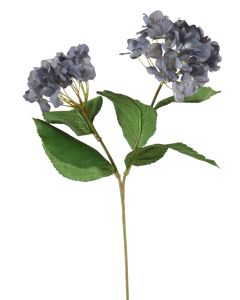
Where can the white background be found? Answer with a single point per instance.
(62, 240)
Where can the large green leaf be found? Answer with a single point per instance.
(74, 119)
(151, 154)
(137, 120)
(72, 158)
(202, 94)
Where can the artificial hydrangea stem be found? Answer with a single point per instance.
(121, 183)
(99, 139)
(157, 92)
(77, 93)
(151, 64)
(87, 90)
(122, 194)
(141, 62)
(84, 111)
(83, 91)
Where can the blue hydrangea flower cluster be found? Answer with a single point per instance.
(57, 73)
(176, 52)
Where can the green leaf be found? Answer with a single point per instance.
(137, 120)
(153, 153)
(146, 155)
(74, 119)
(72, 158)
(94, 106)
(184, 149)
(164, 102)
(202, 94)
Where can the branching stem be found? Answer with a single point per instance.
(121, 181)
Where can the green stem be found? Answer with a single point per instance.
(83, 91)
(122, 194)
(121, 183)
(157, 92)
(87, 90)
(99, 139)
(84, 111)
(76, 91)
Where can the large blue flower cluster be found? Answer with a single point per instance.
(58, 73)
(176, 52)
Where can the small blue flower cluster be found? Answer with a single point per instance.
(58, 73)
(181, 53)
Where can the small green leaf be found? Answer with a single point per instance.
(74, 119)
(137, 120)
(184, 149)
(153, 153)
(72, 158)
(94, 106)
(164, 102)
(202, 94)
(146, 155)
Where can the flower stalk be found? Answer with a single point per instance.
(121, 182)
(157, 93)
(124, 227)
